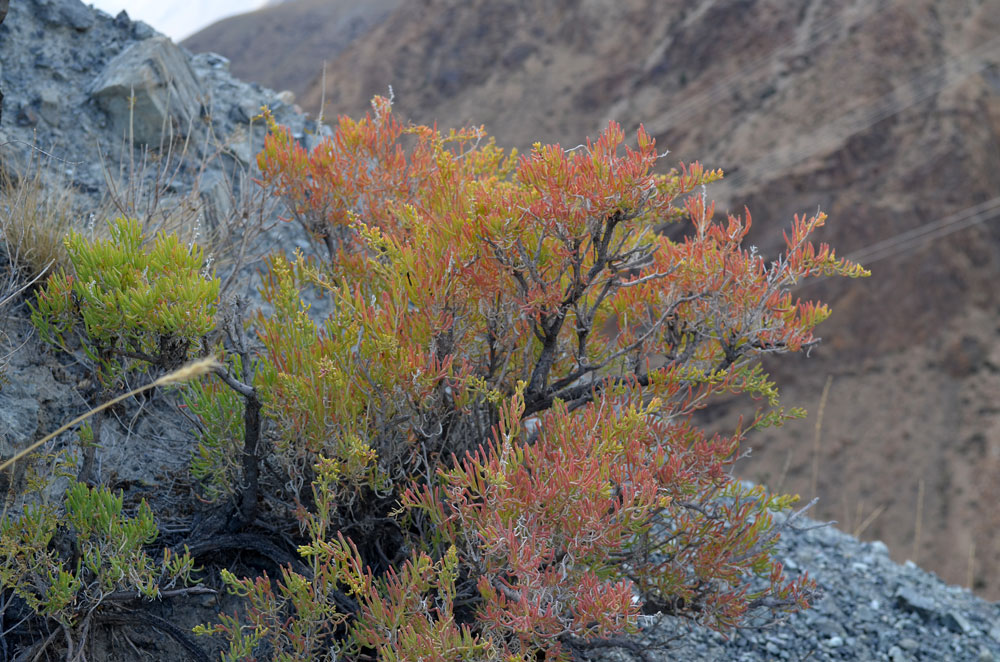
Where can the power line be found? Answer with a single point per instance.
(907, 241)
(914, 238)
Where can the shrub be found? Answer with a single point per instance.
(131, 307)
(106, 563)
(489, 449)
(489, 446)
(128, 304)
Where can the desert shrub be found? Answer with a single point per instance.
(82, 559)
(490, 446)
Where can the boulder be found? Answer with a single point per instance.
(167, 95)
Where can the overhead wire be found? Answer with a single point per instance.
(917, 88)
(908, 241)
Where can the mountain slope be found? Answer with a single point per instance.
(283, 45)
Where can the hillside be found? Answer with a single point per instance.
(884, 114)
(284, 44)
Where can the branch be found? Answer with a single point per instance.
(129, 596)
(156, 622)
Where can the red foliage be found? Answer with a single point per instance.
(475, 291)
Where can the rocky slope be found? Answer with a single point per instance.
(885, 114)
(59, 94)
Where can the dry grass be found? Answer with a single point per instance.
(919, 520)
(35, 213)
(187, 372)
(224, 216)
(814, 479)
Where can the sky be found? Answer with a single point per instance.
(177, 20)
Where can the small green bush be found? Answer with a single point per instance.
(129, 304)
(106, 563)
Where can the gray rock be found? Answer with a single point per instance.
(167, 96)
(142, 31)
(69, 12)
(955, 622)
(896, 654)
(77, 15)
(50, 104)
(122, 20)
(911, 601)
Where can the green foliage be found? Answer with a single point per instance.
(219, 411)
(108, 548)
(294, 618)
(125, 300)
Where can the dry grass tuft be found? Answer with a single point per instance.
(35, 215)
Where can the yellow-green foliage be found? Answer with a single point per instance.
(109, 547)
(125, 299)
(216, 462)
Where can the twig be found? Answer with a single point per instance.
(39, 149)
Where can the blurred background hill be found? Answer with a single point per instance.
(883, 113)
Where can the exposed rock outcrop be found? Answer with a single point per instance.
(150, 90)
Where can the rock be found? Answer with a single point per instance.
(141, 30)
(167, 94)
(214, 191)
(955, 622)
(26, 116)
(77, 15)
(909, 600)
(896, 654)
(122, 20)
(69, 12)
(216, 61)
(50, 104)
